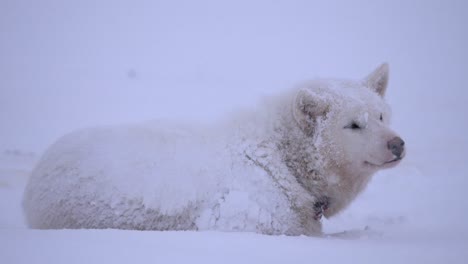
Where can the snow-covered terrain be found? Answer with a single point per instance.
(68, 65)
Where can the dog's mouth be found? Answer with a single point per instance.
(394, 160)
(385, 164)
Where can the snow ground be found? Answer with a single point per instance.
(132, 61)
(111, 246)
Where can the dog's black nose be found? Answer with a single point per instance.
(396, 146)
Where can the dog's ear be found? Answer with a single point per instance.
(378, 79)
(307, 108)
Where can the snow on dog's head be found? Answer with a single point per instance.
(349, 121)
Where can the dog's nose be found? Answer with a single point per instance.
(396, 146)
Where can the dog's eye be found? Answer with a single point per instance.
(353, 126)
(381, 117)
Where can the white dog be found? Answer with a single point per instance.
(306, 153)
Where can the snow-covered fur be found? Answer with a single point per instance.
(273, 170)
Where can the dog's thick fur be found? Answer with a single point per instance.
(275, 170)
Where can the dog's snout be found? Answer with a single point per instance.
(396, 146)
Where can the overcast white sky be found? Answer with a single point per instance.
(70, 64)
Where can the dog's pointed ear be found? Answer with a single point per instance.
(378, 79)
(307, 108)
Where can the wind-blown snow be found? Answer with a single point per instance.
(69, 65)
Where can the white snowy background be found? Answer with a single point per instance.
(71, 64)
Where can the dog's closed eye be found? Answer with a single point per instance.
(353, 126)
